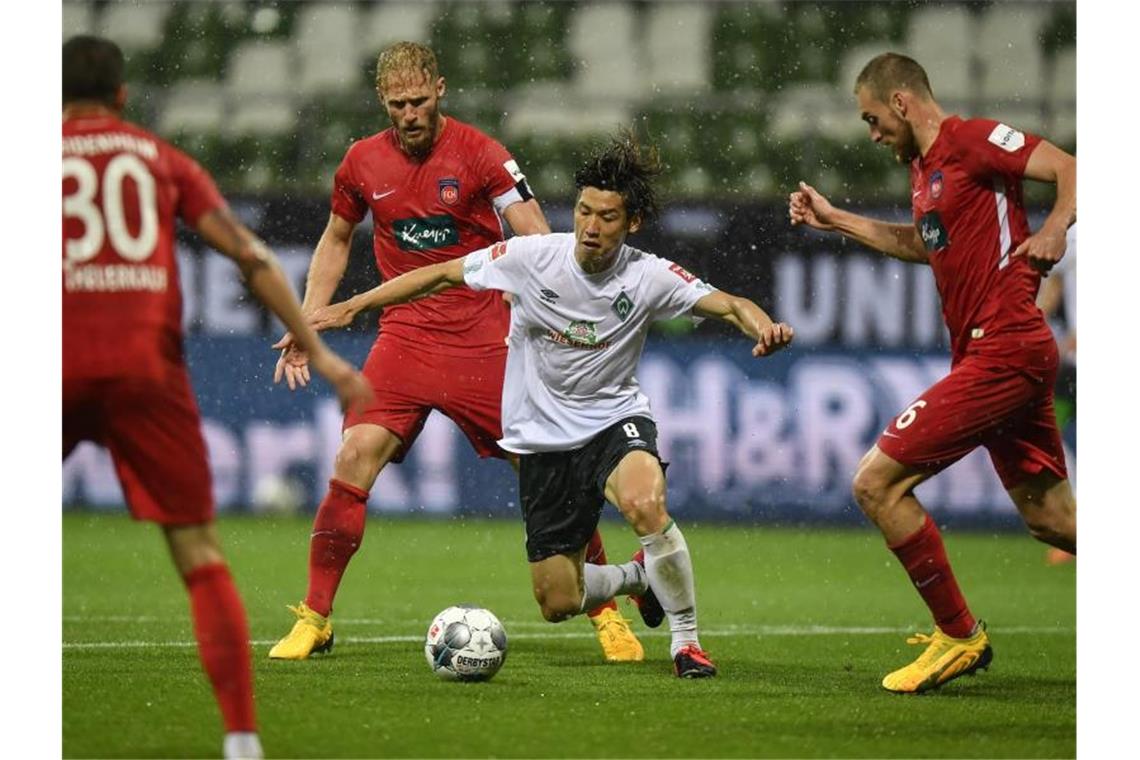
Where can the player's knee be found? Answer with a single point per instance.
(644, 510)
(557, 606)
(869, 490)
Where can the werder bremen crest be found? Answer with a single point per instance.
(622, 306)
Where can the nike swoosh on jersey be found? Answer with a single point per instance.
(377, 196)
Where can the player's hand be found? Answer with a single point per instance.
(772, 338)
(1043, 249)
(352, 388)
(293, 364)
(807, 206)
(331, 316)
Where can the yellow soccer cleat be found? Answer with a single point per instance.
(311, 634)
(619, 644)
(945, 659)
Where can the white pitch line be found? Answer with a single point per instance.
(762, 630)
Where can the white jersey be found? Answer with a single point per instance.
(575, 338)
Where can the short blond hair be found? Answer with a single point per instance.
(403, 57)
(892, 71)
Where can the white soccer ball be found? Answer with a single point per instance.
(465, 643)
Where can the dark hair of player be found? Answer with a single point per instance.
(891, 71)
(405, 56)
(624, 166)
(92, 70)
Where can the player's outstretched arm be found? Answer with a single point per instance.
(901, 241)
(266, 280)
(749, 318)
(410, 286)
(1048, 163)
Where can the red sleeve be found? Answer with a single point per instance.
(497, 170)
(197, 193)
(987, 147)
(347, 201)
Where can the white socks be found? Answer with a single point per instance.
(670, 572)
(604, 582)
(242, 745)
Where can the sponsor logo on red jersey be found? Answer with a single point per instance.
(449, 191)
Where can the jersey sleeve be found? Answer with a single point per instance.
(674, 289)
(987, 147)
(197, 193)
(503, 181)
(347, 200)
(502, 266)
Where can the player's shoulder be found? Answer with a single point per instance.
(548, 243)
(980, 130)
(379, 143)
(468, 132)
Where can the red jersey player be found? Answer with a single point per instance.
(435, 187)
(125, 383)
(970, 227)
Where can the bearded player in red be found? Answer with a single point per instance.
(970, 227)
(125, 384)
(435, 188)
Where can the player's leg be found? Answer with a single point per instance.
(221, 630)
(636, 486)
(474, 402)
(159, 454)
(1049, 509)
(338, 530)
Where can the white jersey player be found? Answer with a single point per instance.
(572, 408)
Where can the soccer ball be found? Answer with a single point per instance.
(465, 643)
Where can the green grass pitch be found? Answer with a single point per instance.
(803, 624)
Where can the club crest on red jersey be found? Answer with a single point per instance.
(449, 191)
(937, 185)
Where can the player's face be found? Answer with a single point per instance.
(600, 224)
(887, 127)
(412, 100)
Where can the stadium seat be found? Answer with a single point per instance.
(678, 47)
(196, 106)
(821, 109)
(325, 43)
(942, 39)
(259, 68)
(1009, 53)
(134, 26)
(603, 40)
(78, 18)
(386, 23)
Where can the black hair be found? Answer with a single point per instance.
(624, 166)
(92, 69)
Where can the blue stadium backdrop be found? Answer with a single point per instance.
(757, 440)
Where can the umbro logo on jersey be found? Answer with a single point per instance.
(377, 196)
(548, 295)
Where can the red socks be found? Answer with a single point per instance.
(924, 557)
(337, 533)
(223, 643)
(596, 555)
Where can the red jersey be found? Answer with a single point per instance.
(122, 188)
(425, 212)
(968, 207)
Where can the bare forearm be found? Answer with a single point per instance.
(1064, 212)
(266, 280)
(330, 259)
(900, 241)
(749, 318)
(410, 286)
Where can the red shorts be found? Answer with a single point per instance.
(409, 382)
(154, 434)
(982, 403)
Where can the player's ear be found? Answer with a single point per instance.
(898, 103)
(121, 97)
(440, 87)
(634, 224)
